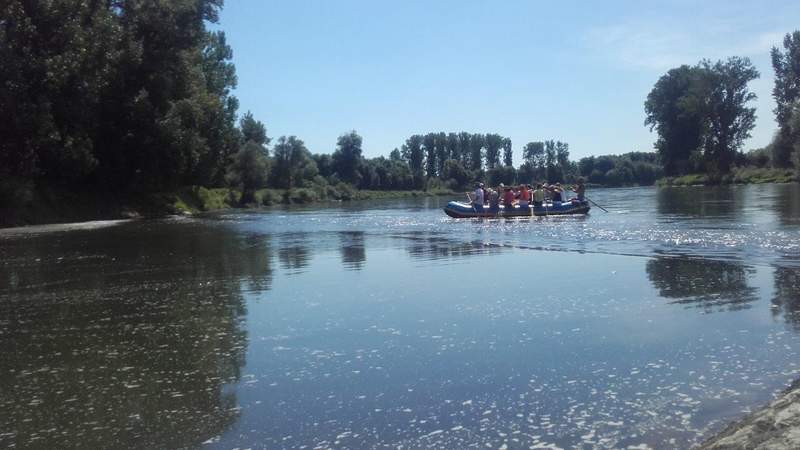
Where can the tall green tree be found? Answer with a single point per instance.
(347, 157)
(728, 115)
(476, 146)
(493, 143)
(675, 109)
(253, 130)
(465, 146)
(249, 170)
(786, 93)
(292, 162)
(429, 144)
(413, 153)
(442, 151)
(508, 152)
(454, 147)
(551, 162)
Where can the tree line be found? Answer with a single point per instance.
(135, 96)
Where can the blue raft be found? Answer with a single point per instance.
(461, 210)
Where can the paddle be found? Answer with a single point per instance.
(595, 204)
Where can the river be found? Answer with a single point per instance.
(377, 325)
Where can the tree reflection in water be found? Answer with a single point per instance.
(702, 283)
(130, 340)
(352, 248)
(786, 301)
(294, 253)
(435, 247)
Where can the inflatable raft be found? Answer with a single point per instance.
(461, 210)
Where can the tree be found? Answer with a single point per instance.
(429, 143)
(533, 154)
(347, 157)
(493, 143)
(249, 170)
(476, 143)
(786, 93)
(292, 162)
(550, 162)
(454, 147)
(674, 108)
(562, 156)
(729, 118)
(442, 151)
(413, 153)
(395, 155)
(253, 130)
(508, 153)
(455, 171)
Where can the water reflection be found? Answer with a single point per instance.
(136, 351)
(701, 201)
(432, 247)
(702, 283)
(787, 203)
(294, 253)
(786, 300)
(352, 248)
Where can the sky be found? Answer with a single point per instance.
(575, 71)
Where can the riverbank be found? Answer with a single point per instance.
(743, 175)
(49, 205)
(775, 426)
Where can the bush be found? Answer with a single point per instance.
(15, 192)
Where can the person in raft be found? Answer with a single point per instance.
(494, 201)
(555, 193)
(538, 196)
(524, 196)
(477, 197)
(508, 197)
(580, 189)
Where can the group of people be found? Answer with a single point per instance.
(525, 195)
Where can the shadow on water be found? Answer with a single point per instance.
(706, 284)
(128, 339)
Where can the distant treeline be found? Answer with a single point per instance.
(129, 97)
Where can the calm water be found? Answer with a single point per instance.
(376, 325)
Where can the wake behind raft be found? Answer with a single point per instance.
(461, 210)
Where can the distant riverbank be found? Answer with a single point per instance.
(50, 205)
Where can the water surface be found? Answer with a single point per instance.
(389, 324)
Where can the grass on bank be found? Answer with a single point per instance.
(195, 199)
(739, 175)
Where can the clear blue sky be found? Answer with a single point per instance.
(573, 71)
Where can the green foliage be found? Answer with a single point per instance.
(786, 93)
(120, 94)
(508, 152)
(493, 143)
(347, 157)
(701, 114)
(292, 163)
(634, 168)
(249, 170)
(502, 174)
(454, 171)
(253, 130)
